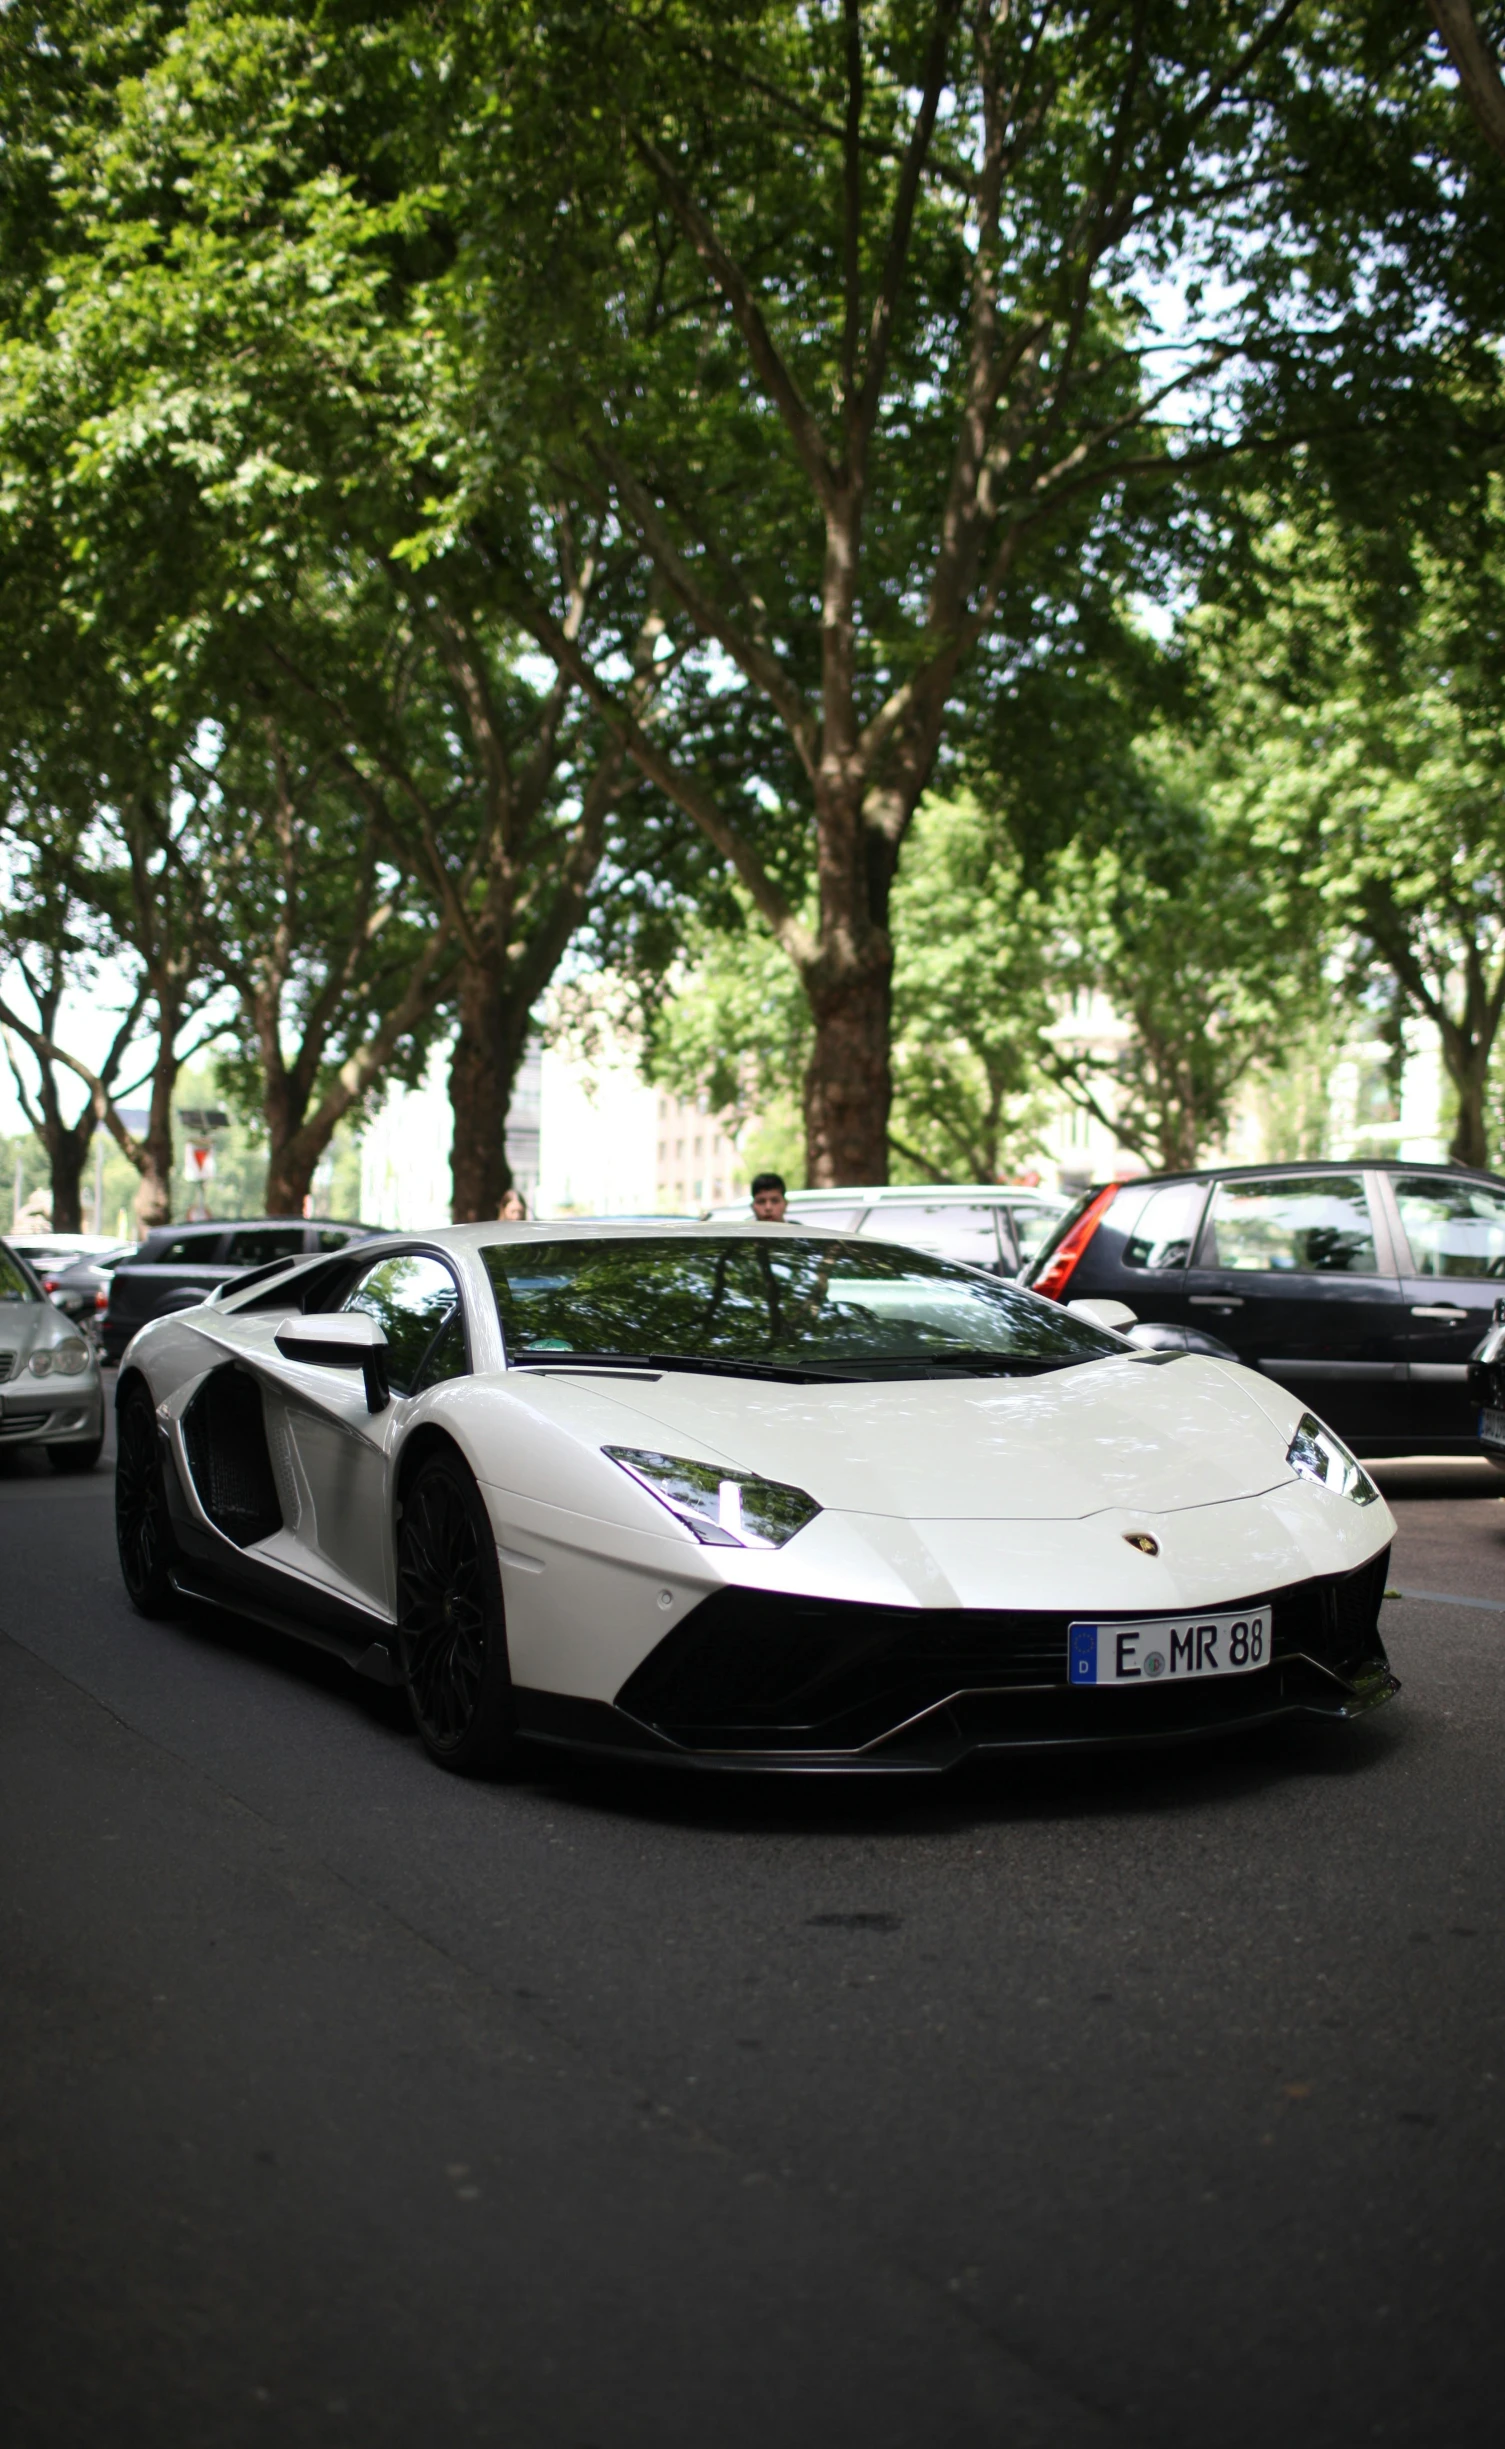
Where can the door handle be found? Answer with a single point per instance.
(1454, 1317)
(1215, 1301)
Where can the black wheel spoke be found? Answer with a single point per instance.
(442, 1619)
(137, 1500)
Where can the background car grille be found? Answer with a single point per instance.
(751, 1670)
(7, 1364)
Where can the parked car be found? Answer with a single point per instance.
(710, 1493)
(999, 1226)
(80, 1287)
(49, 1253)
(180, 1264)
(1364, 1286)
(50, 1393)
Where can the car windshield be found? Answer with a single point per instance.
(770, 1304)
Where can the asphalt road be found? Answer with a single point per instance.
(1154, 2100)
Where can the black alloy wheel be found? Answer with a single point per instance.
(141, 1528)
(451, 1629)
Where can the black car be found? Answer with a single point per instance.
(1363, 1287)
(82, 1290)
(179, 1265)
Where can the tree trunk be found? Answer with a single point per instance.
(849, 1084)
(482, 1075)
(290, 1166)
(290, 1173)
(154, 1193)
(1470, 1143)
(66, 1156)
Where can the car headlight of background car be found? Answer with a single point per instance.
(69, 1360)
(724, 1509)
(1318, 1455)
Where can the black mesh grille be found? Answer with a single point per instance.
(226, 1438)
(747, 1668)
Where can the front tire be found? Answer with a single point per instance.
(142, 1535)
(451, 1627)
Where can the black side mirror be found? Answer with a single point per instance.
(346, 1339)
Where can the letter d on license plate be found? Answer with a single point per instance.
(1169, 1648)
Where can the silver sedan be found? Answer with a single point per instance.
(50, 1391)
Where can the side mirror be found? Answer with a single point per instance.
(1114, 1314)
(346, 1339)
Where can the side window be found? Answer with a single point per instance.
(1166, 1226)
(411, 1297)
(332, 1237)
(446, 1355)
(824, 1219)
(190, 1250)
(1033, 1226)
(1315, 1225)
(263, 1243)
(951, 1231)
(1454, 1228)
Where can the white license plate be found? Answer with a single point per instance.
(1169, 1648)
(1492, 1428)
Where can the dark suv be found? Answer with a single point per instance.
(1363, 1287)
(177, 1266)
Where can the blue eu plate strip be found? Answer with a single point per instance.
(1084, 1653)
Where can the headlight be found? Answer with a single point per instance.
(724, 1509)
(67, 1359)
(1318, 1455)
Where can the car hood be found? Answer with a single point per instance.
(1111, 1434)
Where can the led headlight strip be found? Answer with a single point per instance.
(724, 1509)
(1318, 1455)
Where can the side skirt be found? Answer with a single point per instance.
(213, 1571)
(370, 1658)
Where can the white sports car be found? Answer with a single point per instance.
(746, 1495)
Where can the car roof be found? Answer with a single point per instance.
(1311, 1165)
(891, 1193)
(478, 1237)
(225, 1224)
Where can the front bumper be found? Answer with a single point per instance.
(757, 1680)
(44, 1411)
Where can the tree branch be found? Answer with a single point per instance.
(769, 365)
(1478, 70)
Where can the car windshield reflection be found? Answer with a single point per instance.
(764, 1303)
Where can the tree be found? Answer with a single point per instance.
(378, 737)
(879, 345)
(48, 955)
(972, 1000)
(1366, 724)
(1202, 943)
(100, 825)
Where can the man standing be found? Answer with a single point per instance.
(768, 1198)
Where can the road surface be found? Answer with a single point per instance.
(1145, 2100)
